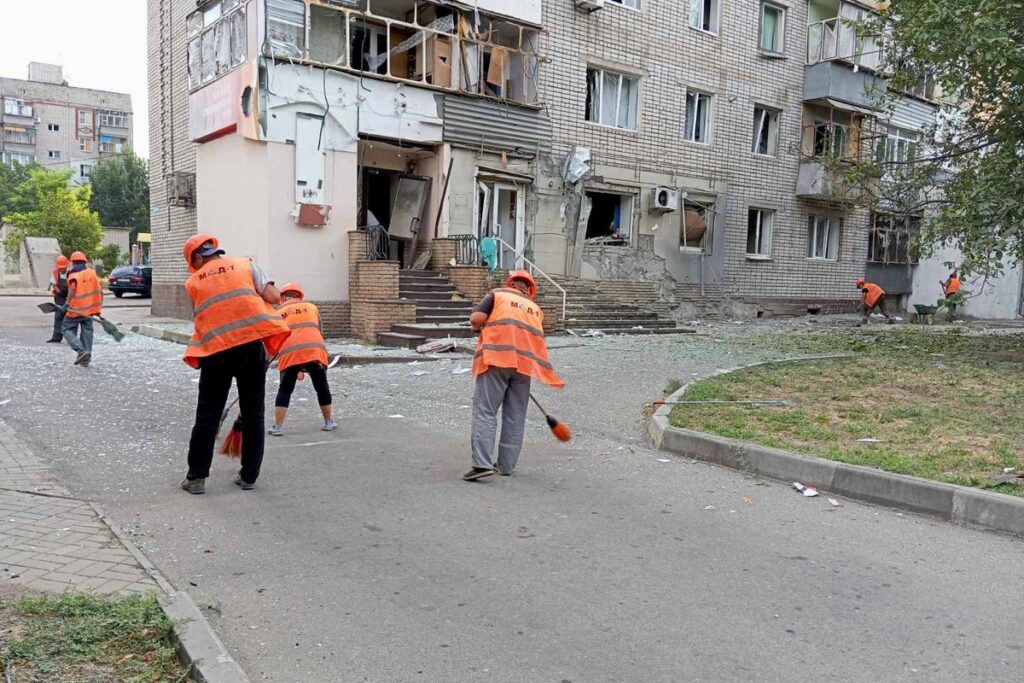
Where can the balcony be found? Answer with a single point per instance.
(441, 47)
(18, 112)
(838, 85)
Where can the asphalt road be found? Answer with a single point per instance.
(362, 556)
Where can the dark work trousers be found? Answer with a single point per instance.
(879, 307)
(316, 373)
(58, 318)
(247, 365)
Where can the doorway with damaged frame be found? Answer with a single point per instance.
(500, 213)
(609, 218)
(394, 187)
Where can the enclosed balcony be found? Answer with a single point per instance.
(831, 139)
(18, 112)
(843, 55)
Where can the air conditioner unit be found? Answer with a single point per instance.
(664, 200)
(590, 5)
(181, 188)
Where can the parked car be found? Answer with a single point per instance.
(137, 279)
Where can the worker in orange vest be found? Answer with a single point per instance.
(235, 328)
(59, 291)
(304, 353)
(85, 298)
(951, 287)
(874, 300)
(510, 352)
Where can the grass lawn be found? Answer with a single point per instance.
(86, 639)
(943, 405)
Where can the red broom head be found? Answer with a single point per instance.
(559, 429)
(232, 444)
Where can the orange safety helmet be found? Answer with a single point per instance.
(79, 257)
(62, 261)
(523, 276)
(859, 282)
(292, 288)
(194, 243)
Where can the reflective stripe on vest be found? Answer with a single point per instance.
(306, 345)
(229, 312)
(88, 298)
(513, 337)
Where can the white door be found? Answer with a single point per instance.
(507, 223)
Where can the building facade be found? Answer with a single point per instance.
(46, 121)
(686, 144)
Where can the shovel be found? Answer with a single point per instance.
(108, 327)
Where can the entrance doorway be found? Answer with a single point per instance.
(392, 208)
(500, 209)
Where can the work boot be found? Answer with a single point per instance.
(194, 486)
(329, 426)
(245, 486)
(83, 358)
(477, 473)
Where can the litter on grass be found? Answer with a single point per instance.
(869, 441)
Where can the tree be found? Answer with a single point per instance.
(120, 192)
(55, 210)
(967, 177)
(10, 178)
(110, 255)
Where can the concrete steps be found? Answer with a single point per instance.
(440, 311)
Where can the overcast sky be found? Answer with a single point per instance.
(100, 43)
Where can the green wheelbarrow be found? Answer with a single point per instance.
(925, 313)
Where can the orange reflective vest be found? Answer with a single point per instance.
(872, 293)
(88, 298)
(513, 337)
(306, 343)
(953, 287)
(229, 312)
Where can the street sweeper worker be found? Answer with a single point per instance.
(236, 327)
(873, 299)
(304, 353)
(510, 353)
(85, 298)
(59, 291)
(950, 288)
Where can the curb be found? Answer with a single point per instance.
(163, 335)
(956, 504)
(198, 644)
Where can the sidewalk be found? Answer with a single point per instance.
(51, 541)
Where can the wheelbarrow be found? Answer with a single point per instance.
(925, 314)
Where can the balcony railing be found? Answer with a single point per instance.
(440, 47)
(12, 108)
(842, 39)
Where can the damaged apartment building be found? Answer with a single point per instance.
(678, 144)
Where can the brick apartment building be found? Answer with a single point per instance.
(46, 121)
(678, 144)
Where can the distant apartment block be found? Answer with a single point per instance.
(46, 121)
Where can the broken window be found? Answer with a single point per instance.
(286, 27)
(766, 131)
(218, 41)
(759, 232)
(823, 237)
(898, 145)
(698, 217)
(704, 15)
(612, 98)
(890, 239)
(773, 27)
(610, 218)
(698, 117)
(830, 140)
(236, 22)
(632, 4)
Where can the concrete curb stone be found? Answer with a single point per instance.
(960, 505)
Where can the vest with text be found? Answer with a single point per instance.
(229, 312)
(513, 337)
(306, 343)
(88, 298)
(872, 293)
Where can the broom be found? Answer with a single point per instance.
(232, 444)
(560, 430)
(108, 327)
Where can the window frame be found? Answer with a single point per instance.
(714, 25)
(888, 151)
(773, 115)
(55, 154)
(88, 122)
(708, 118)
(761, 212)
(780, 29)
(598, 97)
(53, 127)
(906, 227)
(113, 118)
(707, 206)
(831, 224)
(622, 3)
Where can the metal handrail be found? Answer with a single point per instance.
(533, 267)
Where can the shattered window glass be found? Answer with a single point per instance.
(238, 37)
(195, 62)
(194, 24)
(230, 4)
(209, 69)
(286, 27)
(223, 42)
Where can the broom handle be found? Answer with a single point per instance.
(536, 403)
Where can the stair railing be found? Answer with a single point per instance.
(534, 270)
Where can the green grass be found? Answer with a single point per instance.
(945, 406)
(84, 638)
